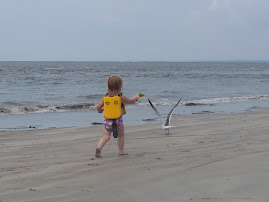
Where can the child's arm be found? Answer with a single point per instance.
(100, 105)
(129, 100)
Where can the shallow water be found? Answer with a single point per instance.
(64, 94)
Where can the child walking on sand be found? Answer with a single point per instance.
(115, 85)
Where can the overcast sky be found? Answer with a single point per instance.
(134, 30)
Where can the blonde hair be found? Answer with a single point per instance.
(114, 83)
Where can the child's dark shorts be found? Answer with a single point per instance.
(108, 123)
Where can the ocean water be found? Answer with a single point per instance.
(64, 94)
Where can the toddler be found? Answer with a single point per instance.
(114, 86)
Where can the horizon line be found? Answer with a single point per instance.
(225, 60)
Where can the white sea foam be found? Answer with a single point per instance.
(231, 99)
(23, 109)
(209, 101)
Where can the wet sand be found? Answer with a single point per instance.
(206, 157)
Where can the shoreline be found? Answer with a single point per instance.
(135, 116)
(219, 157)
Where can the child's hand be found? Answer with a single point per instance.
(100, 110)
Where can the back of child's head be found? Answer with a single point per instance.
(114, 83)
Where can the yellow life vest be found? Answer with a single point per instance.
(112, 107)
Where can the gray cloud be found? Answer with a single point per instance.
(134, 30)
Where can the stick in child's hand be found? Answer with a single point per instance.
(140, 95)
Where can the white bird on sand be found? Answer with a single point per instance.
(165, 125)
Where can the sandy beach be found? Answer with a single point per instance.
(206, 157)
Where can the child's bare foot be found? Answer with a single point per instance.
(122, 153)
(98, 153)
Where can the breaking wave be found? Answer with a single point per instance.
(14, 108)
(23, 109)
(213, 101)
(202, 102)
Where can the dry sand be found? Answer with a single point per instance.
(205, 158)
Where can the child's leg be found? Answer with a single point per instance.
(121, 140)
(102, 142)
